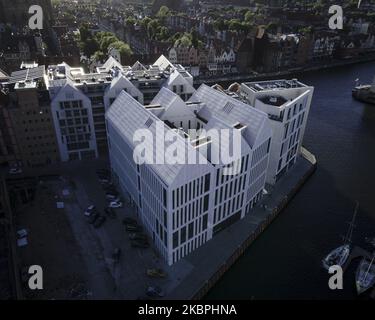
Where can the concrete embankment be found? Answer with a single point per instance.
(279, 74)
(209, 263)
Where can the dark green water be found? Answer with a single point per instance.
(285, 262)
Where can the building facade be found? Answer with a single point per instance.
(95, 92)
(182, 203)
(287, 103)
(28, 135)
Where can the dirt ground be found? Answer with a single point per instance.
(75, 257)
(52, 245)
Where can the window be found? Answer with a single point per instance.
(286, 130)
(175, 240)
(183, 235)
(165, 197)
(204, 222)
(206, 182)
(205, 204)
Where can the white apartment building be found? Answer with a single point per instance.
(184, 205)
(96, 91)
(287, 103)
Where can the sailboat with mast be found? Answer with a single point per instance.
(341, 254)
(365, 276)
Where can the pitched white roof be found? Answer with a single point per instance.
(3, 75)
(121, 82)
(176, 75)
(163, 63)
(231, 111)
(126, 121)
(138, 67)
(110, 63)
(171, 101)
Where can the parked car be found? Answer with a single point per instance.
(133, 228)
(111, 196)
(15, 170)
(99, 221)
(129, 221)
(110, 212)
(90, 210)
(154, 291)
(137, 236)
(115, 204)
(156, 273)
(116, 255)
(93, 217)
(104, 181)
(139, 244)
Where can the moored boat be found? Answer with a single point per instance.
(364, 93)
(340, 255)
(365, 276)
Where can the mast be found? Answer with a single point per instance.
(349, 234)
(369, 267)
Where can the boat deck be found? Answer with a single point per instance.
(356, 253)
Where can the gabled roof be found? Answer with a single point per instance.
(126, 121)
(3, 75)
(163, 63)
(122, 82)
(231, 111)
(138, 67)
(110, 63)
(69, 86)
(177, 75)
(171, 102)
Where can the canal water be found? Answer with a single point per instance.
(285, 262)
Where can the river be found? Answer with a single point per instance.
(285, 262)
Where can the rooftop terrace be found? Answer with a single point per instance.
(274, 84)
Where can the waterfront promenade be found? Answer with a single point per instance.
(242, 77)
(209, 262)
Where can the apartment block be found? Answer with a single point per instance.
(287, 103)
(184, 203)
(82, 135)
(27, 134)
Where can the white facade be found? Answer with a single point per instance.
(287, 103)
(103, 86)
(184, 205)
(73, 121)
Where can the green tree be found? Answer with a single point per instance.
(123, 48)
(163, 12)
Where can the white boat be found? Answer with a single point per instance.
(365, 276)
(341, 254)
